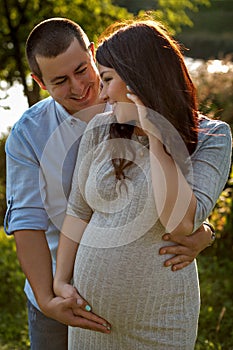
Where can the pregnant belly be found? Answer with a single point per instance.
(129, 286)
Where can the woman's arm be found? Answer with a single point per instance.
(174, 198)
(72, 231)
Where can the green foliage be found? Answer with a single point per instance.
(215, 322)
(215, 91)
(13, 318)
(222, 218)
(215, 271)
(173, 13)
(211, 34)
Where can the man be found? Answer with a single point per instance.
(41, 154)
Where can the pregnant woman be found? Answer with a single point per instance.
(152, 165)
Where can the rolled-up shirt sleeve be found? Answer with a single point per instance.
(24, 192)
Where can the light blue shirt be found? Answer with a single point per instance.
(41, 154)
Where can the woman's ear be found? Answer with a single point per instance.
(39, 81)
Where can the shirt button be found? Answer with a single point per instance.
(73, 122)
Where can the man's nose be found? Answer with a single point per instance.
(76, 86)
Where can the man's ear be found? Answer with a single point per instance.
(39, 81)
(91, 47)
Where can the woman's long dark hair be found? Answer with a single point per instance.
(151, 63)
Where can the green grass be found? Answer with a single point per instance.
(215, 323)
(13, 315)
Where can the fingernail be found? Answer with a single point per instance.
(88, 308)
(128, 95)
(128, 88)
(163, 251)
(107, 326)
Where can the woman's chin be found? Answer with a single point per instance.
(120, 119)
(123, 120)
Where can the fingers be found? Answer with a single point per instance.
(89, 315)
(177, 250)
(80, 306)
(180, 266)
(91, 325)
(82, 303)
(178, 262)
(183, 253)
(131, 96)
(179, 259)
(180, 239)
(82, 312)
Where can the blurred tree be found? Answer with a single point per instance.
(18, 17)
(214, 100)
(173, 13)
(212, 32)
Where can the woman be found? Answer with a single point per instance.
(153, 165)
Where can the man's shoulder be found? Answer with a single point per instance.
(213, 131)
(209, 125)
(34, 113)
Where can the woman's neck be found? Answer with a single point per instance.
(138, 131)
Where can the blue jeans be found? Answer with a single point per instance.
(45, 333)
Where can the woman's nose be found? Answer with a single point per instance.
(103, 95)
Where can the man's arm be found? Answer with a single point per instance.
(35, 259)
(186, 248)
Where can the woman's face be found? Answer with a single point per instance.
(114, 91)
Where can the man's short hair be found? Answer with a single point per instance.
(51, 38)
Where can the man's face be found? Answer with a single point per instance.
(71, 78)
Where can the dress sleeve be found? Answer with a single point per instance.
(210, 165)
(24, 194)
(77, 204)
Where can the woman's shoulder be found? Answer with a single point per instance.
(101, 119)
(99, 125)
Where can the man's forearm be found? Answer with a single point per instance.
(35, 260)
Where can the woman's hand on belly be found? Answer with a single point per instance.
(79, 311)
